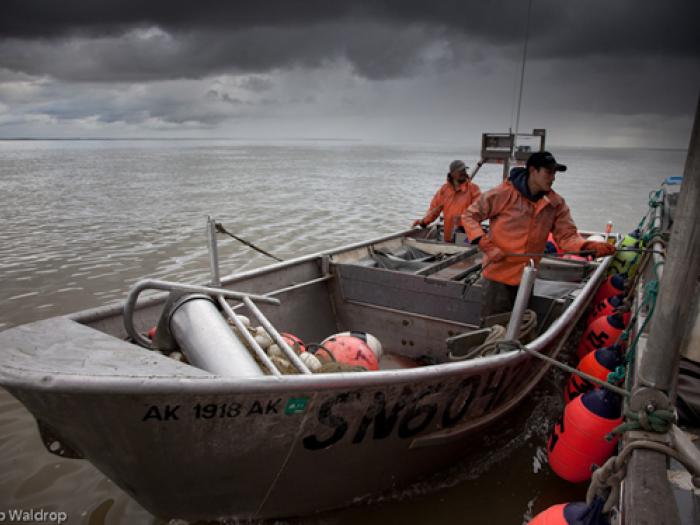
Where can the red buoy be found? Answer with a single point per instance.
(609, 306)
(351, 350)
(294, 342)
(151, 333)
(577, 441)
(552, 516)
(613, 285)
(597, 364)
(604, 331)
(576, 513)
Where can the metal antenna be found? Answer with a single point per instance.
(522, 67)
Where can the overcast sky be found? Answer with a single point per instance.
(598, 72)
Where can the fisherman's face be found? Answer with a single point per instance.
(542, 178)
(459, 176)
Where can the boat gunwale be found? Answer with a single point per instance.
(102, 312)
(153, 384)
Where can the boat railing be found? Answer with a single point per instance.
(220, 295)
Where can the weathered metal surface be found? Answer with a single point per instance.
(443, 299)
(413, 336)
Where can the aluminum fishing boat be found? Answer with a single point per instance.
(234, 437)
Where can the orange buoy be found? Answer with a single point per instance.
(577, 441)
(608, 306)
(603, 331)
(294, 342)
(613, 285)
(351, 350)
(575, 513)
(597, 364)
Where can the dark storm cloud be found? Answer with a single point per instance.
(105, 40)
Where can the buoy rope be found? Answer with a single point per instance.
(606, 480)
(655, 200)
(516, 345)
(220, 228)
(651, 291)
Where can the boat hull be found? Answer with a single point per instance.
(190, 444)
(201, 454)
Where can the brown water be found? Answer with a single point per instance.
(83, 220)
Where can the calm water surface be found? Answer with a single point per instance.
(83, 220)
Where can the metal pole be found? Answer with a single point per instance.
(527, 281)
(522, 67)
(276, 337)
(243, 331)
(213, 252)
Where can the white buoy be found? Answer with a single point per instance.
(311, 361)
(275, 351)
(262, 337)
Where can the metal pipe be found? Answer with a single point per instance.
(527, 281)
(288, 352)
(259, 352)
(216, 281)
(213, 252)
(207, 340)
(155, 284)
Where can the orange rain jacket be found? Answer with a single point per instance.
(519, 225)
(452, 204)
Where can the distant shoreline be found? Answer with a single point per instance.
(139, 139)
(307, 139)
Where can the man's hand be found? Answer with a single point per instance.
(418, 222)
(601, 249)
(493, 252)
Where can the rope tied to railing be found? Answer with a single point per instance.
(648, 420)
(651, 291)
(220, 228)
(606, 480)
(504, 346)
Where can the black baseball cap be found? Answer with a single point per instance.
(544, 159)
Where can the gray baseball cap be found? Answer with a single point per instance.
(457, 165)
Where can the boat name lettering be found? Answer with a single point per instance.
(214, 410)
(411, 414)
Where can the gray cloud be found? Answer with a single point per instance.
(364, 68)
(116, 40)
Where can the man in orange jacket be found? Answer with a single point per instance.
(522, 211)
(451, 199)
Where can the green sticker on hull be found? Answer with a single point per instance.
(296, 405)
